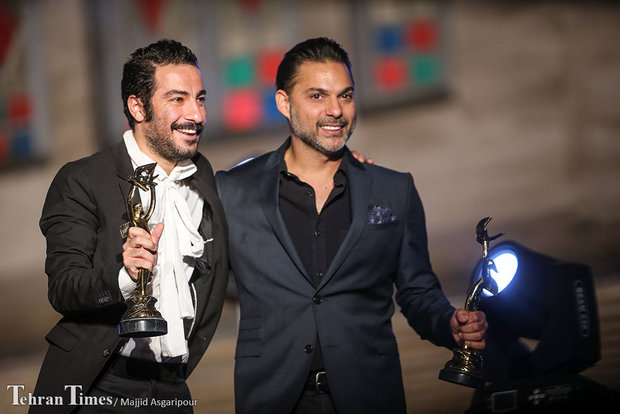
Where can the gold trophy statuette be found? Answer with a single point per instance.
(465, 367)
(141, 318)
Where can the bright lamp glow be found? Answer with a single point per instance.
(506, 263)
(549, 301)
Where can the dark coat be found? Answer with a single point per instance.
(84, 208)
(351, 310)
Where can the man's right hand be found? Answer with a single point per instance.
(140, 250)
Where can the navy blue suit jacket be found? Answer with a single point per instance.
(351, 310)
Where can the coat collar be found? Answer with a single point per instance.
(199, 180)
(359, 182)
(269, 187)
(359, 187)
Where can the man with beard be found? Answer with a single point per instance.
(92, 272)
(317, 242)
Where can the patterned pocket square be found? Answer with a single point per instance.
(380, 215)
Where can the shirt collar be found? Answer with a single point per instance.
(340, 176)
(183, 169)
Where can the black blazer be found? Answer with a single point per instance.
(85, 206)
(282, 312)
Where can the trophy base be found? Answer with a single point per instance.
(468, 379)
(465, 368)
(142, 327)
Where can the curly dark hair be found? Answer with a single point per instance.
(320, 49)
(139, 72)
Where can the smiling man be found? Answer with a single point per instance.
(92, 270)
(323, 117)
(317, 242)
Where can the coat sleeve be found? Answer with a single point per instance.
(72, 225)
(419, 292)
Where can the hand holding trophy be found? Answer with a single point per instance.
(141, 318)
(466, 366)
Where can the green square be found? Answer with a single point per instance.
(425, 70)
(239, 72)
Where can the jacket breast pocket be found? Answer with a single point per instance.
(382, 226)
(62, 338)
(250, 338)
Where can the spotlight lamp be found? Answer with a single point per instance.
(503, 266)
(543, 331)
(541, 299)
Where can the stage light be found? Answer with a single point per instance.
(541, 299)
(505, 265)
(543, 331)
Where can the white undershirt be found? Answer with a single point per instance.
(180, 208)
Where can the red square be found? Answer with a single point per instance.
(4, 148)
(19, 109)
(422, 35)
(391, 73)
(268, 62)
(243, 110)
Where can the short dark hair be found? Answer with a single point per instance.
(320, 49)
(139, 72)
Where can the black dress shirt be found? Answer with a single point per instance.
(316, 236)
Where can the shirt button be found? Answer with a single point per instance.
(309, 193)
(308, 349)
(107, 352)
(317, 233)
(317, 299)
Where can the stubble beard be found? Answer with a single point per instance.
(310, 137)
(160, 140)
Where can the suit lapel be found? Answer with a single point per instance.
(200, 182)
(359, 182)
(122, 161)
(269, 184)
(124, 170)
(359, 187)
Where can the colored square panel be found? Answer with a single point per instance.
(242, 110)
(4, 148)
(425, 70)
(239, 72)
(270, 108)
(391, 74)
(8, 31)
(21, 145)
(19, 109)
(251, 6)
(422, 35)
(389, 39)
(268, 62)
